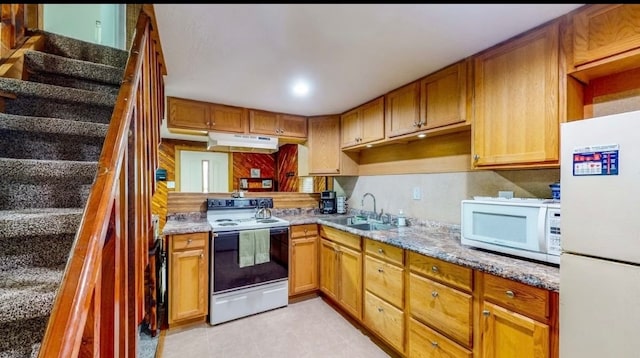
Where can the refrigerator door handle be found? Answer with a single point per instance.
(542, 224)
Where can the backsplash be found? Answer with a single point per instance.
(441, 193)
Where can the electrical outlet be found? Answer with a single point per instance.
(417, 195)
(171, 185)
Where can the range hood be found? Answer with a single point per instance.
(249, 143)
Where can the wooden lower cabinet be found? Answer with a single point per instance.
(420, 306)
(303, 263)
(427, 343)
(341, 276)
(517, 320)
(188, 286)
(507, 334)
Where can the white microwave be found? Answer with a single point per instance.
(521, 227)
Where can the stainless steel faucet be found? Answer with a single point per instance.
(375, 213)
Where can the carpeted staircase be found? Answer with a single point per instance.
(51, 136)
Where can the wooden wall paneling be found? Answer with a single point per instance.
(286, 163)
(244, 162)
(196, 202)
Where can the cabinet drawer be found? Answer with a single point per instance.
(525, 299)
(384, 251)
(426, 343)
(385, 280)
(189, 241)
(442, 307)
(341, 237)
(304, 230)
(384, 319)
(451, 274)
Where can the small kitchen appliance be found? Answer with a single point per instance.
(525, 227)
(238, 289)
(328, 202)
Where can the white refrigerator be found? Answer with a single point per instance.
(600, 260)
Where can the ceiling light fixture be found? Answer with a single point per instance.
(300, 88)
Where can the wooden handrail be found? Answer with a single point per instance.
(89, 317)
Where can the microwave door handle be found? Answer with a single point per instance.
(542, 223)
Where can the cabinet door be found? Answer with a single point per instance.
(516, 120)
(506, 334)
(304, 265)
(384, 319)
(263, 122)
(602, 30)
(402, 110)
(188, 285)
(350, 281)
(328, 268)
(187, 114)
(292, 126)
(351, 131)
(443, 97)
(324, 145)
(372, 121)
(228, 118)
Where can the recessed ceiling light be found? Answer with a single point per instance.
(369, 146)
(301, 88)
(421, 135)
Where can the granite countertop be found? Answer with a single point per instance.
(432, 239)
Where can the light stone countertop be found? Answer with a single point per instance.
(441, 241)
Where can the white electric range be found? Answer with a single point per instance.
(246, 278)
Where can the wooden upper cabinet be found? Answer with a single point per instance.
(403, 110)
(443, 97)
(363, 124)
(228, 118)
(324, 145)
(187, 114)
(278, 124)
(601, 31)
(516, 120)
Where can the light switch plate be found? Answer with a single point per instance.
(417, 195)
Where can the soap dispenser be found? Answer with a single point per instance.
(402, 221)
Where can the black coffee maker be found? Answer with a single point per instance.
(328, 202)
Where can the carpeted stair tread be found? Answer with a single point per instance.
(30, 170)
(28, 292)
(56, 93)
(37, 61)
(22, 338)
(41, 221)
(83, 50)
(52, 125)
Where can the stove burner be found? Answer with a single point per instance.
(265, 221)
(227, 224)
(219, 220)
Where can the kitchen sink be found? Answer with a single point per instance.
(350, 220)
(368, 226)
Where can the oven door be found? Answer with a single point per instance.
(227, 273)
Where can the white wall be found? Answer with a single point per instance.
(79, 21)
(441, 193)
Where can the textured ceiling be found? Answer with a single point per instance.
(248, 55)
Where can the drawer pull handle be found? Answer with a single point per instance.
(434, 294)
(434, 344)
(380, 309)
(510, 294)
(380, 269)
(202, 256)
(189, 241)
(486, 313)
(435, 269)
(380, 251)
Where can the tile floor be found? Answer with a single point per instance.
(305, 329)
